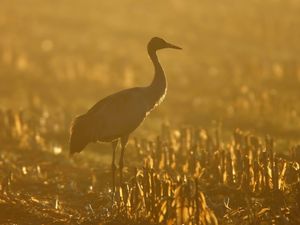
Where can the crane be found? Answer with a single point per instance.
(116, 116)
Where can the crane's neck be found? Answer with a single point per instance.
(158, 87)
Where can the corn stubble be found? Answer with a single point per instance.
(188, 176)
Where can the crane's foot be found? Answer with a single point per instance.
(113, 190)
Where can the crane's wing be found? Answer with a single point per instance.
(118, 114)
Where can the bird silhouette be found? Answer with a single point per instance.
(116, 116)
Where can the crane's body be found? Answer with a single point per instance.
(117, 115)
(112, 117)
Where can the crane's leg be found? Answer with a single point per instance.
(113, 166)
(124, 141)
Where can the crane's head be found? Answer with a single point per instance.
(157, 43)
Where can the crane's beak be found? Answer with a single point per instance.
(169, 45)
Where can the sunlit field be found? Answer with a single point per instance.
(223, 147)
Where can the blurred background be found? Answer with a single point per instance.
(240, 64)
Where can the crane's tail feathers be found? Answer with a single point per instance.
(79, 134)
